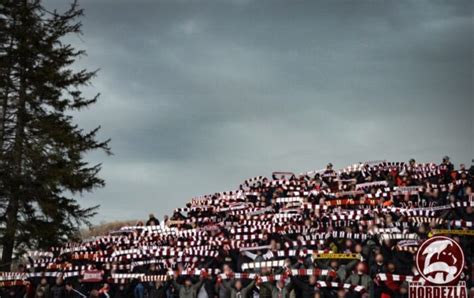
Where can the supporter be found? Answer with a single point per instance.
(152, 220)
(238, 290)
(159, 290)
(21, 268)
(376, 267)
(341, 269)
(448, 164)
(12, 293)
(57, 291)
(208, 288)
(94, 294)
(279, 290)
(360, 278)
(69, 291)
(122, 292)
(307, 289)
(391, 287)
(264, 292)
(139, 290)
(43, 287)
(224, 286)
(40, 293)
(188, 289)
(341, 293)
(164, 223)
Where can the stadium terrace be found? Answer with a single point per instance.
(351, 232)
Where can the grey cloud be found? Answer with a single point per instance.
(199, 95)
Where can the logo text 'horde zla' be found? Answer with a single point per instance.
(440, 260)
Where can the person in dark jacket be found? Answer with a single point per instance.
(209, 287)
(223, 288)
(69, 291)
(14, 292)
(152, 221)
(57, 291)
(188, 290)
(121, 292)
(376, 267)
(44, 287)
(265, 292)
(308, 289)
(158, 290)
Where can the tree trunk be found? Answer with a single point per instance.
(11, 223)
(9, 237)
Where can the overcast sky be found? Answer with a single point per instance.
(199, 95)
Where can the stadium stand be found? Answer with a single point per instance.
(351, 232)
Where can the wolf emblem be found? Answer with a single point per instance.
(443, 261)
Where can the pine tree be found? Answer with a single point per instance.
(42, 149)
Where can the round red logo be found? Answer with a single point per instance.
(440, 260)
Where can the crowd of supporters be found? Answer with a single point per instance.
(352, 232)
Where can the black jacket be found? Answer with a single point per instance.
(307, 290)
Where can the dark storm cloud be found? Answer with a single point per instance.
(199, 95)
